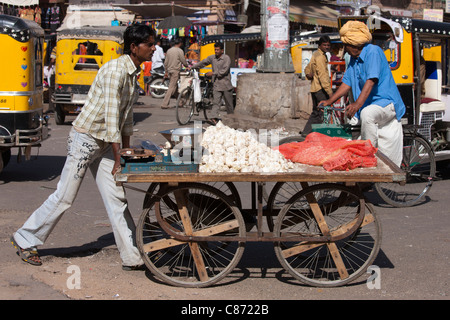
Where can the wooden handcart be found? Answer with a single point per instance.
(193, 228)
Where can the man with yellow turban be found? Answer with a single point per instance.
(378, 106)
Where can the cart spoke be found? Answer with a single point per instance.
(305, 245)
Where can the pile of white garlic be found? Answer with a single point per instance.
(230, 150)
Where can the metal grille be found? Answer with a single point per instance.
(427, 119)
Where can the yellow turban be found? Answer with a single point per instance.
(355, 33)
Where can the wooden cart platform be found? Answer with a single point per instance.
(385, 171)
(192, 233)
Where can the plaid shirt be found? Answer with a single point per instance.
(107, 113)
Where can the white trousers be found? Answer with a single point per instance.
(381, 127)
(84, 152)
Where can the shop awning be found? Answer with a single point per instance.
(21, 2)
(312, 12)
(157, 10)
(77, 18)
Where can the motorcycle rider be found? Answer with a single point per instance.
(158, 58)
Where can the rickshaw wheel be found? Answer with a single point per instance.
(327, 264)
(190, 264)
(60, 116)
(419, 165)
(5, 156)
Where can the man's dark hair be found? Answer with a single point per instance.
(136, 34)
(176, 41)
(324, 39)
(218, 45)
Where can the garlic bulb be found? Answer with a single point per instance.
(231, 150)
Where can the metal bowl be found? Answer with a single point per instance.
(176, 135)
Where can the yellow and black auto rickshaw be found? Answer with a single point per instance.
(80, 53)
(22, 123)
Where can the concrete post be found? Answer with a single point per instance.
(275, 32)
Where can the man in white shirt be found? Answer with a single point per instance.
(158, 58)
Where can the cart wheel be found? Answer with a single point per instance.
(203, 210)
(279, 195)
(327, 209)
(226, 187)
(419, 164)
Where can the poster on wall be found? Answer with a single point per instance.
(433, 15)
(277, 28)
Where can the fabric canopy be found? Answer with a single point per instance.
(21, 2)
(78, 18)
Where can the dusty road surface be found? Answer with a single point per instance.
(81, 261)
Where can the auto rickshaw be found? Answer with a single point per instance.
(80, 53)
(22, 123)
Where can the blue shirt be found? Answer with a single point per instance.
(370, 64)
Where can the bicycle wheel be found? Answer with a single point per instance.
(207, 102)
(291, 139)
(327, 264)
(185, 106)
(203, 210)
(419, 164)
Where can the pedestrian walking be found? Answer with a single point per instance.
(147, 68)
(172, 64)
(317, 72)
(221, 76)
(104, 124)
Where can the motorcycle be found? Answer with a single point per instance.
(158, 84)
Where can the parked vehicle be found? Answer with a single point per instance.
(158, 85)
(22, 123)
(80, 53)
(187, 106)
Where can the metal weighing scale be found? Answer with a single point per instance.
(182, 154)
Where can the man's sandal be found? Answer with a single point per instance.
(27, 255)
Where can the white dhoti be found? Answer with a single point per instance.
(381, 127)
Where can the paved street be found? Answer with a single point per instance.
(414, 258)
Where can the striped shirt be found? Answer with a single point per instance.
(107, 113)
